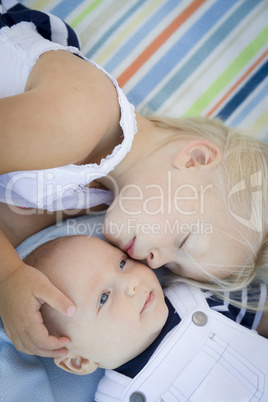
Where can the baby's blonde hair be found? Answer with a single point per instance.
(244, 167)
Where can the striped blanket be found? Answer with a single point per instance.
(173, 57)
(179, 57)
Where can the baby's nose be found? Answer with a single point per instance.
(131, 284)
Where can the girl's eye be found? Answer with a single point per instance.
(181, 244)
(122, 264)
(104, 298)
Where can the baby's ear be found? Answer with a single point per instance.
(76, 365)
(198, 154)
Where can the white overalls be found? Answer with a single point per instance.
(207, 357)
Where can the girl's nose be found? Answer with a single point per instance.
(156, 259)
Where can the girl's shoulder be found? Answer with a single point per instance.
(69, 107)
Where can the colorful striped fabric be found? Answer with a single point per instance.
(179, 57)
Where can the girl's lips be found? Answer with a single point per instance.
(149, 300)
(129, 247)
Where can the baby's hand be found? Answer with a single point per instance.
(21, 296)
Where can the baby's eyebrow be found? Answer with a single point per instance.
(89, 304)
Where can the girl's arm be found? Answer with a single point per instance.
(68, 107)
(22, 291)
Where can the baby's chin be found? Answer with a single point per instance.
(117, 361)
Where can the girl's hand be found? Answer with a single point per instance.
(21, 295)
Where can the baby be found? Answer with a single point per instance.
(124, 322)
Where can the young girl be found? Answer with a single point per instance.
(208, 223)
(66, 133)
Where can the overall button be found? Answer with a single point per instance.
(137, 397)
(199, 318)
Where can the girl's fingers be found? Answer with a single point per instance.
(56, 299)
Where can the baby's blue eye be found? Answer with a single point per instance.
(104, 298)
(122, 264)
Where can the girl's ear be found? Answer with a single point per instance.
(76, 365)
(198, 154)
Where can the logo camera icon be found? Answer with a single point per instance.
(254, 223)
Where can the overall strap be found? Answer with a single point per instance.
(205, 356)
(186, 298)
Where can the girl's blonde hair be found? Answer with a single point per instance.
(243, 173)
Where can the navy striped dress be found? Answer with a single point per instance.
(47, 25)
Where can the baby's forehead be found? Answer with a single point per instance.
(89, 244)
(85, 253)
(92, 241)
